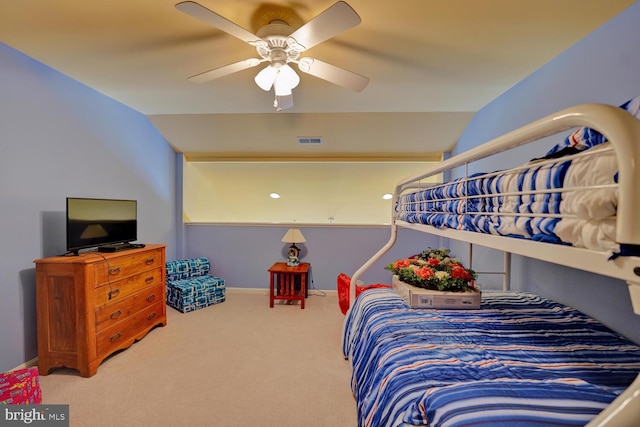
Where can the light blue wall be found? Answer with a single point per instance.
(603, 67)
(59, 138)
(242, 255)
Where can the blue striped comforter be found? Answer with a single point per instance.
(476, 203)
(540, 201)
(518, 360)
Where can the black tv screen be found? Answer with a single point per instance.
(100, 222)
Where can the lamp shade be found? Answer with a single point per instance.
(294, 235)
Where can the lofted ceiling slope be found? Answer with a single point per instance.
(431, 65)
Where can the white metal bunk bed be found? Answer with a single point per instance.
(622, 130)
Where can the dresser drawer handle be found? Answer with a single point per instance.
(114, 293)
(115, 337)
(151, 297)
(148, 279)
(150, 261)
(114, 271)
(151, 315)
(116, 314)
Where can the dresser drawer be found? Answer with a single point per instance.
(120, 334)
(110, 314)
(127, 265)
(93, 305)
(121, 289)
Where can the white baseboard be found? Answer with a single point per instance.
(266, 291)
(313, 292)
(28, 364)
(248, 290)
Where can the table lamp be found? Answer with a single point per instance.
(293, 236)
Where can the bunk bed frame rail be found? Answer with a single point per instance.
(619, 127)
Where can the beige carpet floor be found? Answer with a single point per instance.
(238, 363)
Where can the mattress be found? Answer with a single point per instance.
(519, 360)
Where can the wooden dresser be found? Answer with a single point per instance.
(92, 305)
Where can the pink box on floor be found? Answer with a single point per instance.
(21, 386)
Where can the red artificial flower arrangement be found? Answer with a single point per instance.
(434, 269)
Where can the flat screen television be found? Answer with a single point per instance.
(101, 223)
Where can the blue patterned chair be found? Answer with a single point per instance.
(190, 287)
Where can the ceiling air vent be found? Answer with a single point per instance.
(309, 140)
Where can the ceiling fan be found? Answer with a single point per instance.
(279, 45)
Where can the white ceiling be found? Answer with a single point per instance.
(433, 58)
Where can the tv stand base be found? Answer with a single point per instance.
(115, 248)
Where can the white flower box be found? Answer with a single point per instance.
(426, 298)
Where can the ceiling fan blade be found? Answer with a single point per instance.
(224, 71)
(333, 74)
(338, 18)
(210, 17)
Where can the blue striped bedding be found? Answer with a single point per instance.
(531, 202)
(510, 203)
(520, 360)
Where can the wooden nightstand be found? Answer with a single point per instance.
(283, 280)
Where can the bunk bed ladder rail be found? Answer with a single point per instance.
(506, 268)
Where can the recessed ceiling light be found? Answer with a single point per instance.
(387, 196)
(274, 195)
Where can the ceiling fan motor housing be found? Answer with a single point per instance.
(279, 47)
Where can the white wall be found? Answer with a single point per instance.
(311, 192)
(59, 138)
(603, 67)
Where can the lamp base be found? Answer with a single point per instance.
(293, 260)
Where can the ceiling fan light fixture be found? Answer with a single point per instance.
(283, 102)
(265, 78)
(286, 80)
(282, 90)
